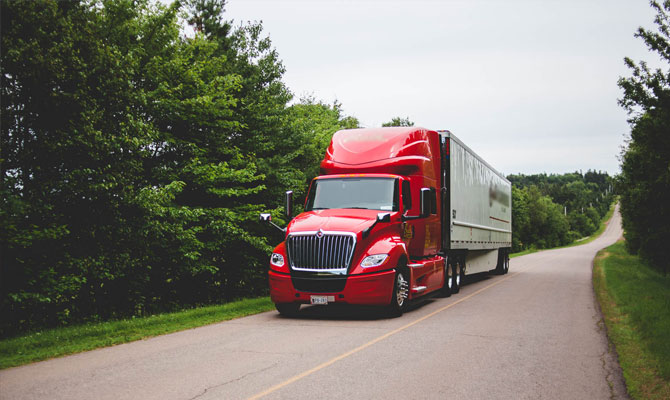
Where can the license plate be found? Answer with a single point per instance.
(321, 299)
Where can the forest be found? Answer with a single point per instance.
(555, 210)
(135, 160)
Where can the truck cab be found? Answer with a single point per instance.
(371, 230)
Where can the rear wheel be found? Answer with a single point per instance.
(506, 262)
(399, 299)
(288, 309)
(503, 262)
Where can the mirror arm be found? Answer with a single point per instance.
(367, 230)
(277, 226)
(266, 217)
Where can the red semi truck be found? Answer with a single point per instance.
(396, 214)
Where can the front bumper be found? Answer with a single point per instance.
(369, 289)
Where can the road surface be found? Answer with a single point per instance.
(535, 333)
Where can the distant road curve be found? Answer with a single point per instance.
(535, 333)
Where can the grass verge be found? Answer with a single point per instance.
(74, 339)
(635, 301)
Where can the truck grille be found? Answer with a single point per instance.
(321, 251)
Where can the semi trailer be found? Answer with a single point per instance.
(396, 214)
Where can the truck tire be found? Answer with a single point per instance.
(503, 262)
(506, 261)
(399, 298)
(459, 274)
(448, 285)
(288, 309)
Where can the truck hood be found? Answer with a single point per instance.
(341, 220)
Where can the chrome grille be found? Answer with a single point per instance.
(321, 251)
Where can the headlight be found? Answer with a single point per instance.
(374, 260)
(277, 259)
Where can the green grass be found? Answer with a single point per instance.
(524, 252)
(635, 300)
(74, 339)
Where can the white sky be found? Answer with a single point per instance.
(531, 86)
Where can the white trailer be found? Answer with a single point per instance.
(477, 230)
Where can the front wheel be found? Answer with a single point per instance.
(448, 285)
(399, 299)
(459, 274)
(288, 309)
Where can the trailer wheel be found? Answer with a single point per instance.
(506, 262)
(399, 299)
(459, 274)
(503, 262)
(288, 309)
(448, 285)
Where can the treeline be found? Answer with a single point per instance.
(135, 160)
(555, 210)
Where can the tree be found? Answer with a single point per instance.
(644, 183)
(520, 220)
(73, 146)
(398, 121)
(134, 160)
(313, 124)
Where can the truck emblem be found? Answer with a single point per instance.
(319, 234)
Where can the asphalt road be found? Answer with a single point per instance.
(535, 333)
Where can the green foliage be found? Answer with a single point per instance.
(135, 160)
(398, 121)
(314, 123)
(536, 220)
(644, 183)
(540, 202)
(73, 148)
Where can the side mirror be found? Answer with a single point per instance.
(425, 205)
(288, 206)
(266, 217)
(425, 202)
(384, 217)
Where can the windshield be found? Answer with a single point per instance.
(366, 193)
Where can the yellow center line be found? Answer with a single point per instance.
(376, 340)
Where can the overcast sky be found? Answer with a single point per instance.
(531, 86)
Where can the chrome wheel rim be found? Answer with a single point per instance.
(458, 273)
(450, 276)
(401, 289)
